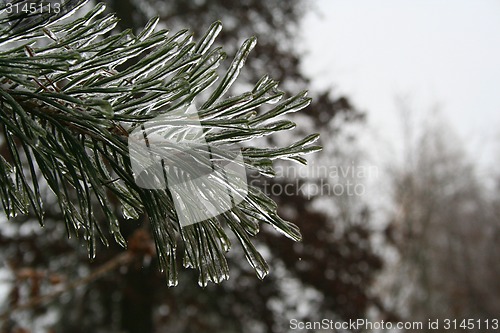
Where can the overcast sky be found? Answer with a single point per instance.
(437, 52)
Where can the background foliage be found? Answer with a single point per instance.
(328, 274)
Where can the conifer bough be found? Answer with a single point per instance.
(72, 90)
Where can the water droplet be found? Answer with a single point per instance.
(129, 212)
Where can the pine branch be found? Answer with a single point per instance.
(73, 92)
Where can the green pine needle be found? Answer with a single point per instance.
(71, 91)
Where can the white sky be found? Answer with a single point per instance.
(435, 52)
